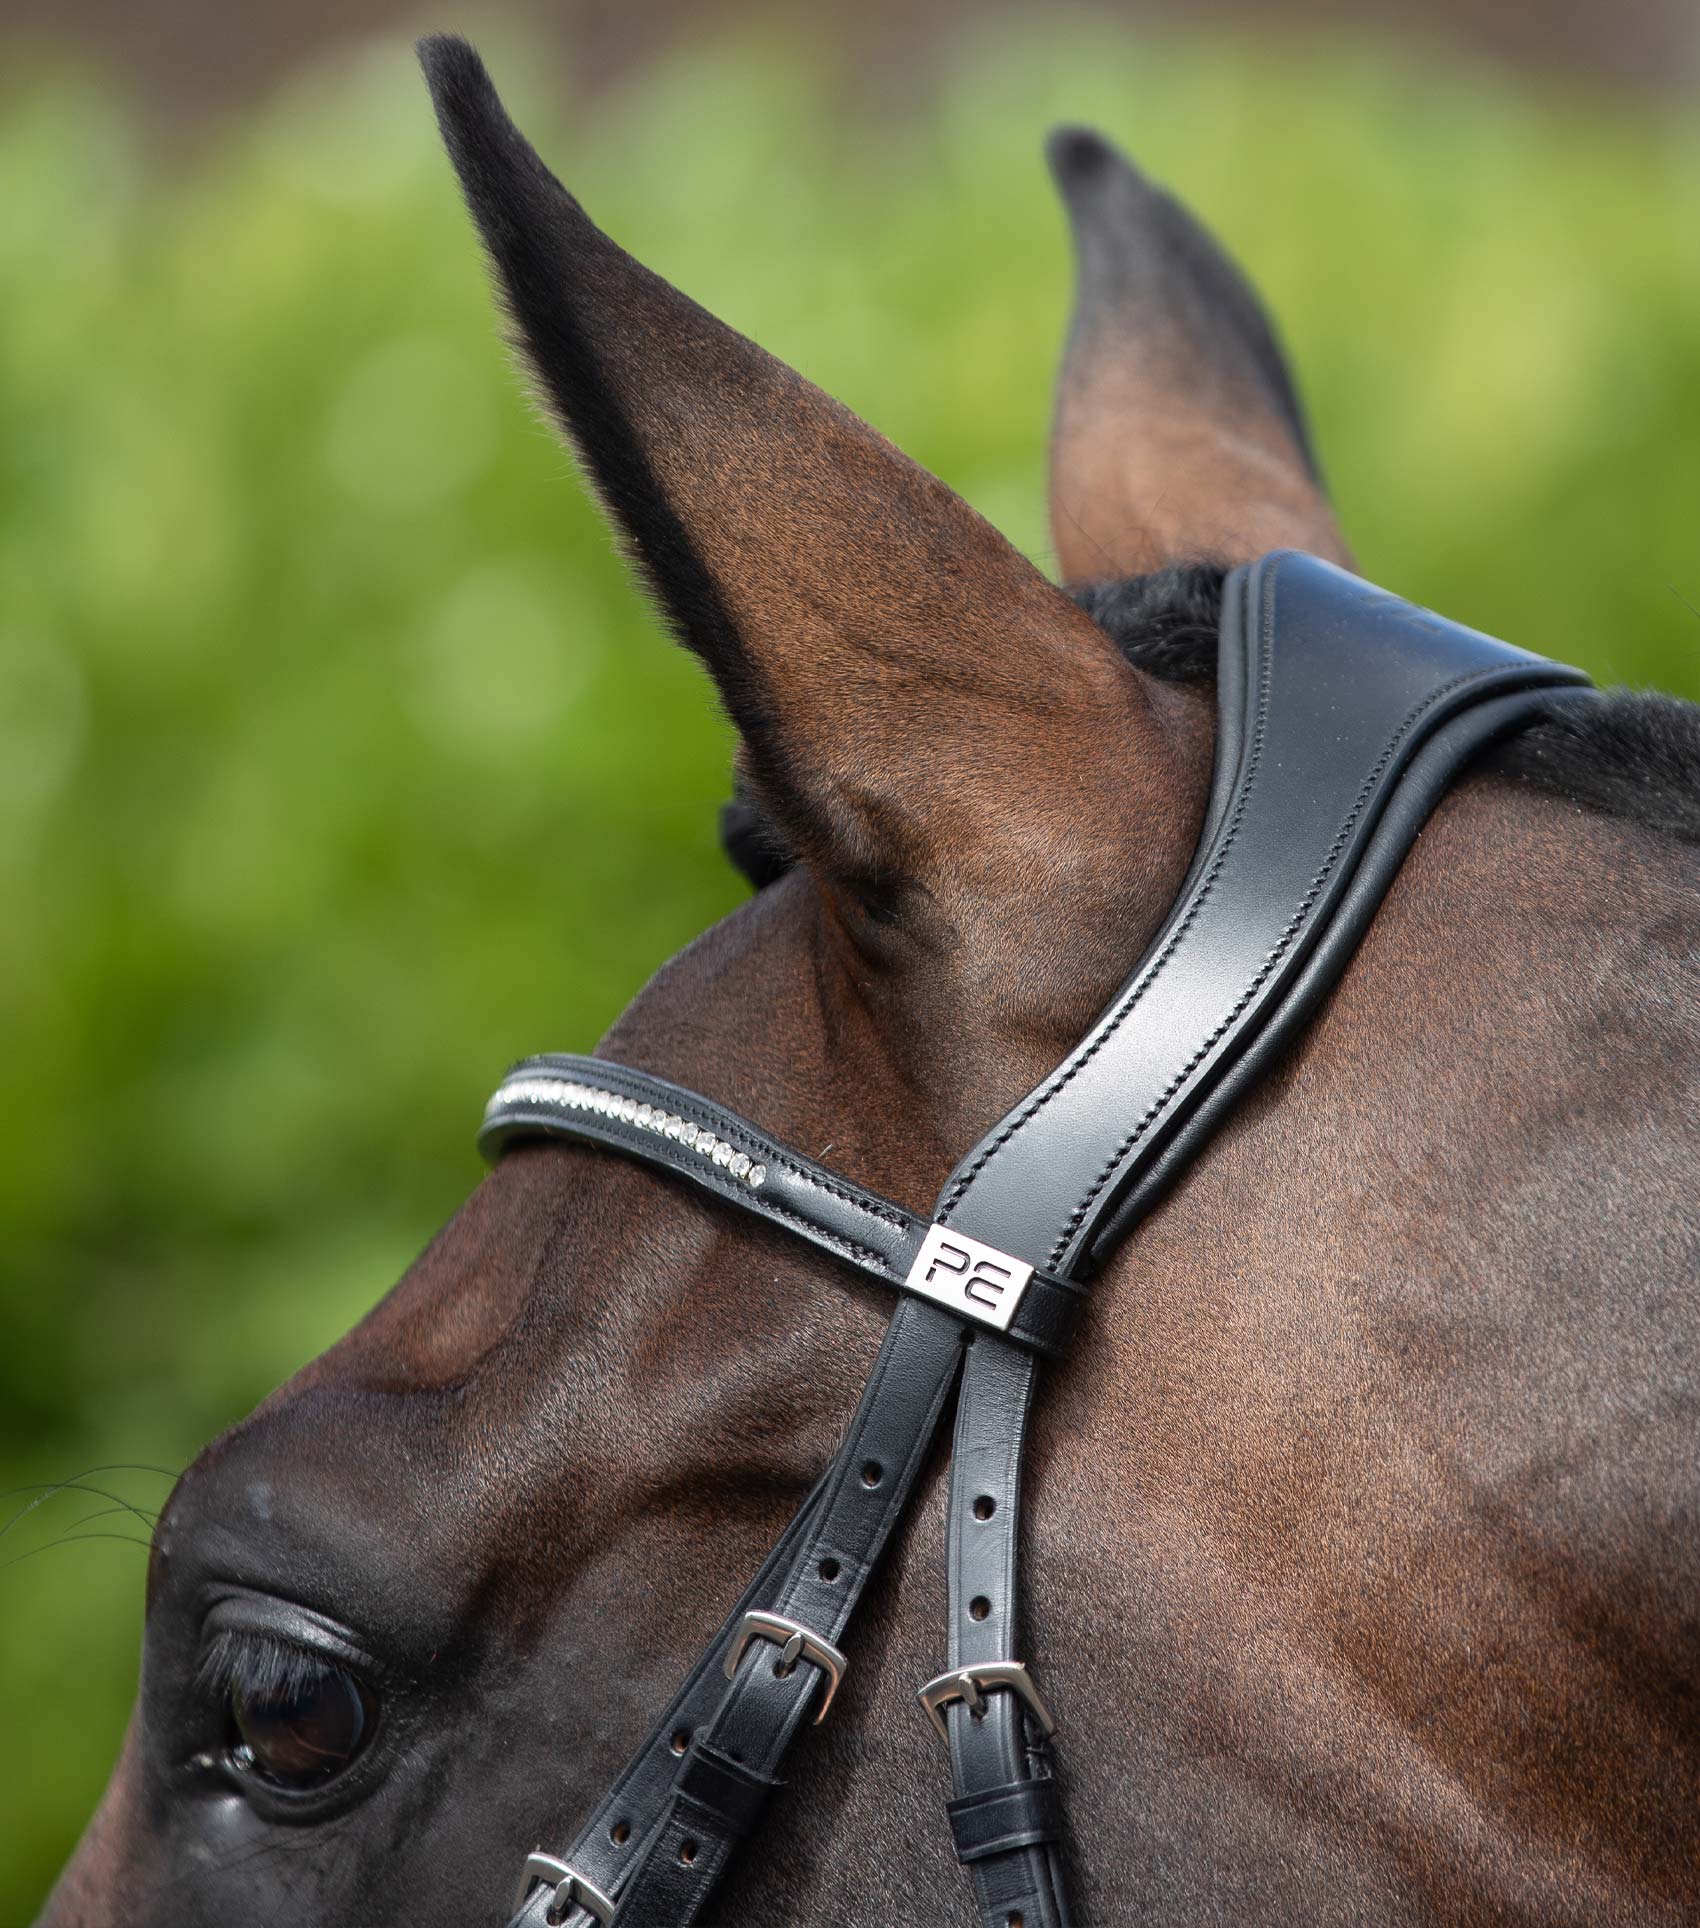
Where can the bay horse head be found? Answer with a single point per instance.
(1360, 1526)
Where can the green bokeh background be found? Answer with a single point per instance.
(340, 763)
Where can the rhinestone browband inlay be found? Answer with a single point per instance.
(570, 1095)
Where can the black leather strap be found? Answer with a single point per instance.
(600, 1103)
(612, 1837)
(729, 1793)
(1329, 689)
(865, 1494)
(1000, 1744)
(1023, 1814)
(661, 1841)
(1344, 715)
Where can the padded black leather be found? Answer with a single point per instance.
(1329, 688)
(1344, 714)
(664, 1124)
(1330, 693)
(1333, 697)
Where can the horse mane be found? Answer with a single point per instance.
(1633, 755)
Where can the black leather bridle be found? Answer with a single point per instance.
(1344, 714)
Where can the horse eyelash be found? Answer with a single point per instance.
(259, 1665)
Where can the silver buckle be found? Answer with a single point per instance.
(571, 1890)
(975, 1280)
(968, 1684)
(794, 1643)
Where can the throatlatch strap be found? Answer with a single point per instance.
(1343, 716)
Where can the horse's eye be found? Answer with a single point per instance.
(303, 1728)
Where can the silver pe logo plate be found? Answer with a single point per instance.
(975, 1281)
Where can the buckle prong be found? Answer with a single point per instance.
(572, 1890)
(795, 1642)
(968, 1685)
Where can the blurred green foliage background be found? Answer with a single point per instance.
(339, 761)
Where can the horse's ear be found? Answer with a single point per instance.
(1178, 432)
(895, 668)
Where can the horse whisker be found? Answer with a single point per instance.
(65, 1539)
(79, 1483)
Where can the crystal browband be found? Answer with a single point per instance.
(691, 1136)
(574, 1096)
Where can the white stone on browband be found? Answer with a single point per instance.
(571, 1095)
